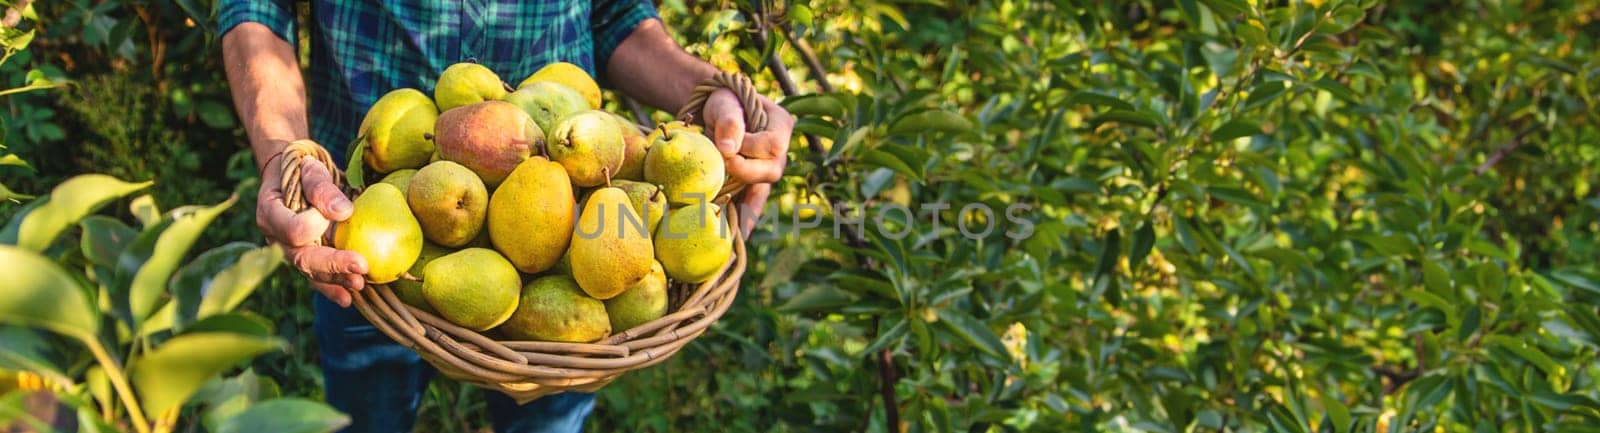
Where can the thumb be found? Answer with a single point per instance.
(725, 118)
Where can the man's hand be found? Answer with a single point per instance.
(756, 159)
(331, 271)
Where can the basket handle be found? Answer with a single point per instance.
(755, 114)
(289, 178)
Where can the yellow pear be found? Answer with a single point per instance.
(686, 165)
(547, 102)
(589, 145)
(569, 75)
(396, 130)
(400, 178)
(647, 199)
(530, 215)
(694, 242)
(611, 248)
(465, 84)
(645, 301)
(409, 290)
(450, 203)
(382, 230)
(475, 288)
(552, 308)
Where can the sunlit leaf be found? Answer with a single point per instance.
(40, 293)
(67, 203)
(168, 375)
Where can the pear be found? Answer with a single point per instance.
(475, 288)
(655, 134)
(450, 203)
(694, 243)
(530, 215)
(490, 138)
(400, 178)
(382, 230)
(547, 102)
(410, 291)
(643, 302)
(395, 129)
(569, 75)
(686, 165)
(465, 84)
(589, 145)
(647, 199)
(552, 308)
(634, 148)
(611, 250)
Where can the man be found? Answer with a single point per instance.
(361, 49)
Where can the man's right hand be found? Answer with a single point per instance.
(332, 272)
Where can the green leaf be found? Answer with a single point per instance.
(41, 294)
(355, 172)
(1527, 352)
(191, 281)
(237, 323)
(1143, 240)
(818, 298)
(24, 349)
(1105, 267)
(1338, 413)
(1227, 9)
(815, 105)
(286, 415)
(144, 208)
(6, 194)
(974, 332)
(890, 161)
(13, 160)
(925, 121)
(168, 375)
(1577, 279)
(104, 238)
(1435, 278)
(1096, 99)
(1265, 93)
(1234, 129)
(1129, 117)
(67, 203)
(230, 287)
(889, 338)
(150, 282)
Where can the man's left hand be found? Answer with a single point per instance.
(756, 159)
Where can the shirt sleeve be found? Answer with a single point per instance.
(612, 21)
(277, 15)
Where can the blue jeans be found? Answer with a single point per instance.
(379, 382)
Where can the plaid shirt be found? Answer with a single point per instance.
(361, 49)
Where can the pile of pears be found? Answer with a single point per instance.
(528, 212)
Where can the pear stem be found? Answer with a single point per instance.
(408, 277)
(606, 171)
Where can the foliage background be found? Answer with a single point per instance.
(1248, 216)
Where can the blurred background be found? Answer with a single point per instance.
(1297, 216)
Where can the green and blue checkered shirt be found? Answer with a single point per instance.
(361, 49)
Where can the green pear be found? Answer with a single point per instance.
(694, 243)
(465, 84)
(475, 288)
(400, 178)
(589, 145)
(552, 308)
(645, 301)
(547, 102)
(611, 250)
(396, 130)
(686, 165)
(530, 215)
(410, 290)
(647, 199)
(382, 230)
(490, 138)
(450, 203)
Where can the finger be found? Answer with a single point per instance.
(752, 204)
(768, 144)
(324, 260)
(333, 292)
(296, 229)
(348, 281)
(322, 192)
(725, 118)
(754, 170)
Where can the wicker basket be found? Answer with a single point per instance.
(527, 370)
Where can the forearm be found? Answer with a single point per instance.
(268, 92)
(649, 67)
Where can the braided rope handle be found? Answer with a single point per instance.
(755, 114)
(289, 180)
